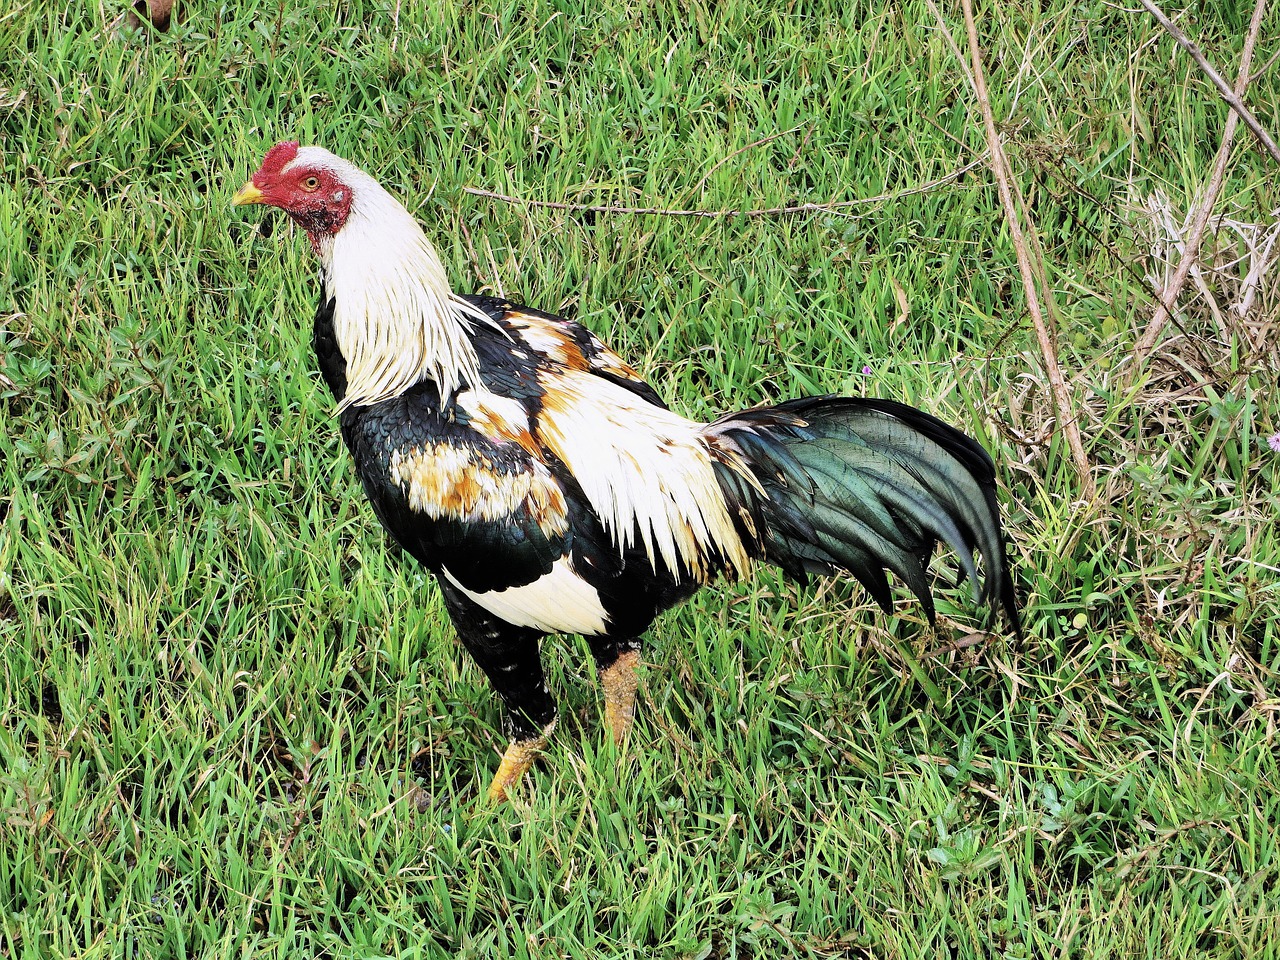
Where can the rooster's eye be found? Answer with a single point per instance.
(310, 184)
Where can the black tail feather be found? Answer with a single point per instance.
(866, 486)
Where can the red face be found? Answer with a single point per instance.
(313, 196)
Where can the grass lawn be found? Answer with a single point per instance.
(235, 723)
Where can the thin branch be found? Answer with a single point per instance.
(1148, 285)
(726, 214)
(1191, 250)
(750, 146)
(1265, 67)
(1044, 334)
(1231, 97)
(951, 42)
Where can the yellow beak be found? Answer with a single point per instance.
(246, 195)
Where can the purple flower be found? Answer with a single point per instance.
(866, 372)
(1273, 442)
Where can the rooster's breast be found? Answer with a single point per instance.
(460, 492)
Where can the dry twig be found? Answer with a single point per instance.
(750, 146)
(1044, 334)
(1230, 96)
(1265, 67)
(1191, 252)
(833, 207)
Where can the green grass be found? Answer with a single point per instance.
(235, 723)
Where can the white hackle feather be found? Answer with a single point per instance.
(395, 318)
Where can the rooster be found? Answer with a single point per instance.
(551, 490)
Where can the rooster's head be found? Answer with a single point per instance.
(310, 184)
(395, 320)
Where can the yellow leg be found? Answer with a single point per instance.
(518, 758)
(619, 682)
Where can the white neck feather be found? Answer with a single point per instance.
(395, 319)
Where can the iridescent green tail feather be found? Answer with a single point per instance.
(866, 486)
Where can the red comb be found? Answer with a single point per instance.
(276, 158)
